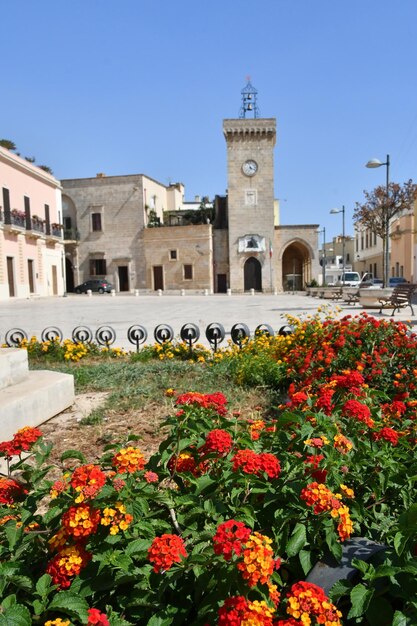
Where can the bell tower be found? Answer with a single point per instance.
(250, 172)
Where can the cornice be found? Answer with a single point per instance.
(12, 160)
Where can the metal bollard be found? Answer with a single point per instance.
(136, 292)
(89, 293)
(206, 292)
(229, 292)
(113, 292)
(252, 292)
(159, 292)
(183, 292)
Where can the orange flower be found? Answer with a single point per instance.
(87, 480)
(307, 600)
(67, 563)
(129, 460)
(342, 444)
(81, 521)
(117, 518)
(258, 560)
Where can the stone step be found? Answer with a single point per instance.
(42, 395)
(13, 366)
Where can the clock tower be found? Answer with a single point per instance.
(250, 172)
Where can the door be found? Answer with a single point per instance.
(123, 278)
(158, 277)
(221, 283)
(54, 281)
(10, 276)
(31, 276)
(252, 275)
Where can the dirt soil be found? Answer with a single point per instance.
(66, 432)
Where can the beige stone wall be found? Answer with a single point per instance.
(122, 202)
(296, 252)
(192, 245)
(221, 256)
(250, 198)
(402, 247)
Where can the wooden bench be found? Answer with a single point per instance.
(352, 298)
(399, 299)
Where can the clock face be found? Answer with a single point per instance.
(250, 167)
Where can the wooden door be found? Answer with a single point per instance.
(158, 277)
(31, 276)
(252, 275)
(10, 276)
(123, 278)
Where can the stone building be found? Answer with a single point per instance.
(115, 226)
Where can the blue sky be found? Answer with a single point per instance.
(135, 86)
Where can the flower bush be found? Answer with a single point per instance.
(227, 521)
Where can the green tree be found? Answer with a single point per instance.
(380, 206)
(8, 144)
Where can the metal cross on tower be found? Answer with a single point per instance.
(249, 96)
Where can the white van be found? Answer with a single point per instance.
(351, 279)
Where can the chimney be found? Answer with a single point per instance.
(100, 175)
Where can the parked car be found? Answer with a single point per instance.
(375, 283)
(396, 280)
(95, 284)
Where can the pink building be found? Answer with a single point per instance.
(32, 258)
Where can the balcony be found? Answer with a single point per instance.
(71, 235)
(37, 228)
(16, 222)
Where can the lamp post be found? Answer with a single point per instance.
(342, 211)
(377, 163)
(324, 259)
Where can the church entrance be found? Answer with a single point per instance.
(252, 273)
(296, 267)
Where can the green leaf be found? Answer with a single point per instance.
(360, 597)
(44, 585)
(400, 542)
(339, 589)
(71, 604)
(73, 454)
(137, 546)
(362, 566)
(16, 615)
(399, 619)
(21, 582)
(203, 482)
(408, 520)
(305, 561)
(297, 540)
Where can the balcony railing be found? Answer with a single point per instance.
(38, 226)
(71, 234)
(18, 219)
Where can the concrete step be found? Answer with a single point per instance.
(13, 366)
(42, 395)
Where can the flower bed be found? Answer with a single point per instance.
(226, 522)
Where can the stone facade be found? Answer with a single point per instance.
(115, 228)
(105, 219)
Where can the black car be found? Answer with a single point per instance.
(95, 284)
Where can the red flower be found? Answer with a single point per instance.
(237, 611)
(22, 442)
(215, 401)
(151, 477)
(252, 463)
(10, 490)
(165, 551)
(229, 538)
(359, 411)
(388, 434)
(96, 617)
(218, 441)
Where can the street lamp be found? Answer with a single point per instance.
(377, 163)
(342, 211)
(324, 259)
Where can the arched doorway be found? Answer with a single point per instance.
(296, 267)
(252, 273)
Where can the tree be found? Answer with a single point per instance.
(380, 206)
(8, 144)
